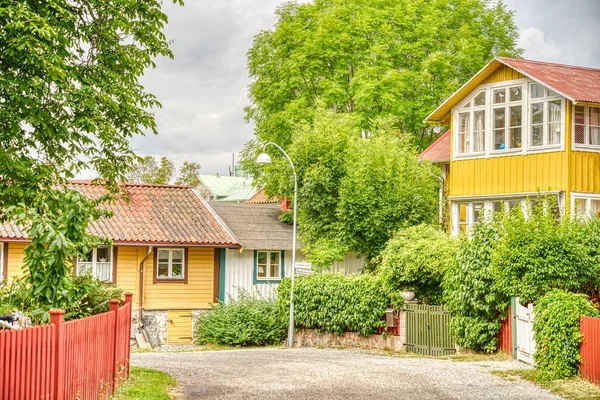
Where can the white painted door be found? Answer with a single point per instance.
(524, 317)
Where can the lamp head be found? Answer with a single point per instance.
(263, 159)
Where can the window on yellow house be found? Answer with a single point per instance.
(97, 262)
(471, 122)
(170, 264)
(587, 126)
(507, 118)
(545, 116)
(586, 205)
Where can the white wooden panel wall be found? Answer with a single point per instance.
(350, 265)
(239, 268)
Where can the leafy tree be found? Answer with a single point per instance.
(371, 58)
(70, 100)
(417, 258)
(147, 170)
(188, 174)
(354, 191)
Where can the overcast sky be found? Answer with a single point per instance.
(203, 90)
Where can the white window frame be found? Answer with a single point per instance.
(170, 276)
(488, 206)
(268, 266)
(94, 264)
(586, 130)
(470, 110)
(545, 100)
(506, 106)
(583, 197)
(525, 84)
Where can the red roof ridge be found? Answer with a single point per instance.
(548, 63)
(94, 182)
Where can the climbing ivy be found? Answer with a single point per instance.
(337, 303)
(557, 334)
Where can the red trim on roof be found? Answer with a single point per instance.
(438, 151)
(580, 84)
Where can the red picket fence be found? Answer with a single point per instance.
(505, 343)
(81, 359)
(590, 348)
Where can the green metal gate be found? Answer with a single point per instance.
(428, 330)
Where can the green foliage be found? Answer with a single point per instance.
(81, 296)
(188, 174)
(242, 322)
(535, 254)
(417, 258)
(57, 226)
(146, 384)
(354, 192)
(336, 303)
(470, 291)
(70, 100)
(370, 58)
(557, 334)
(287, 217)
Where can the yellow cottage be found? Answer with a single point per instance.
(519, 128)
(166, 247)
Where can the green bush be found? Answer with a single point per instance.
(557, 335)
(417, 258)
(242, 322)
(470, 293)
(535, 254)
(337, 303)
(83, 296)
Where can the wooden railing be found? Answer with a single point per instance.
(81, 359)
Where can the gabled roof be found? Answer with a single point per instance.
(240, 195)
(438, 151)
(260, 198)
(155, 214)
(578, 84)
(223, 186)
(256, 226)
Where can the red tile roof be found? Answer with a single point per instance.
(260, 198)
(438, 151)
(155, 214)
(576, 83)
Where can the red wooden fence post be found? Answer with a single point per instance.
(128, 300)
(57, 319)
(114, 308)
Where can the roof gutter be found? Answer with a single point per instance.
(141, 291)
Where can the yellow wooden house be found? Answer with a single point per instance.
(519, 128)
(166, 243)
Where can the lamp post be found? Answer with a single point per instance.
(263, 159)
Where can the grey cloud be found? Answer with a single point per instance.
(203, 91)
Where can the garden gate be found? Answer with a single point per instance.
(525, 345)
(428, 330)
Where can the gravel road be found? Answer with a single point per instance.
(308, 373)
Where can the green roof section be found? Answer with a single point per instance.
(227, 188)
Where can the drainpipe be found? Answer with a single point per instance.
(141, 299)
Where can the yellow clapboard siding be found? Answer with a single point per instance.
(197, 293)
(503, 73)
(532, 172)
(15, 257)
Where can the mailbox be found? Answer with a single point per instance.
(390, 318)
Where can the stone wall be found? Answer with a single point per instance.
(155, 326)
(312, 338)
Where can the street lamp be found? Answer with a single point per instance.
(264, 159)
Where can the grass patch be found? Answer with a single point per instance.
(145, 383)
(569, 388)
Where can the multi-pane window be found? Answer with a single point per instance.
(471, 126)
(545, 116)
(170, 264)
(587, 206)
(97, 262)
(507, 113)
(268, 264)
(587, 126)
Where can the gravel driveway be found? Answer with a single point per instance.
(308, 373)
